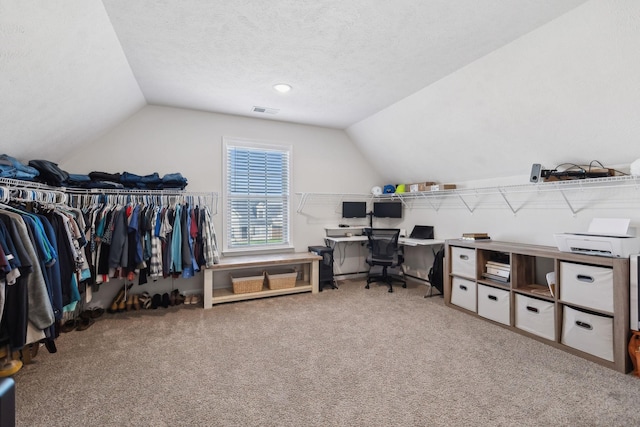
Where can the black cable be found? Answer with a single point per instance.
(598, 162)
(573, 165)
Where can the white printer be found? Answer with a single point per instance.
(610, 237)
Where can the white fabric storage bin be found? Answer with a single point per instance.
(591, 333)
(463, 293)
(463, 262)
(493, 303)
(535, 316)
(587, 285)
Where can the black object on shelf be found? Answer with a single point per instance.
(326, 266)
(7, 402)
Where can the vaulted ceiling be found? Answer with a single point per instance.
(72, 70)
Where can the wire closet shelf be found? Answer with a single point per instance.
(575, 194)
(13, 189)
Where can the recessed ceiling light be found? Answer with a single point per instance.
(282, 87)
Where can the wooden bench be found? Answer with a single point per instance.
(308, 283)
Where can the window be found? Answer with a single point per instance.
(257, 195)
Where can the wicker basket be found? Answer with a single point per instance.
(247, 284)
(282, 279)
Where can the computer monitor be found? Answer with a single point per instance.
(387, 209)
(354, 209)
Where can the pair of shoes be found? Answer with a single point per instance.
(193, 299)
(144, 299)
(114, 307)
(173, 297)
(180, 298)
(156, 301)
(129, 302)
(133, 302)
(166, 300)
(9, 366)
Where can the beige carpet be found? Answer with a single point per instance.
(346, 357)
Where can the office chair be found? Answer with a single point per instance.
(384, 252)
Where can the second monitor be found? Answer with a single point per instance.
(387, 209)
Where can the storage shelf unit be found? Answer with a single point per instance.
(308, 283)
(587, 314)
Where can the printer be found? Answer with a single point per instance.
(610, 237)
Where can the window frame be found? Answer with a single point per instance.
(227, 144)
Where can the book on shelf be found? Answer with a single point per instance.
(497, 271)
(476, 238)
(475, 235)
(497, 264)
(551, 282)
(495, 277)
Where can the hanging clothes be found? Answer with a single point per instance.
(148, 239)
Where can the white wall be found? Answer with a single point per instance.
(567, 92)
(166, 140)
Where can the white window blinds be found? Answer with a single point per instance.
(257, 196)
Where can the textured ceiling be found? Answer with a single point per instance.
(345, 59)
(71, 71)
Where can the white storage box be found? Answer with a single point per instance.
(591, 333)
(493, 303)
(587, 285)
(535, 316)
(463, 293)
(463, 262)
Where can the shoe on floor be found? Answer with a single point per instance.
(69, 325)
(85, 324)
(196, 299)
(166, 300)
(156, 301)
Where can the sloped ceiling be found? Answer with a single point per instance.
(568, 93)
(64, 79)
(70, 71)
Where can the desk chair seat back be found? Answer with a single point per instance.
(383, 245)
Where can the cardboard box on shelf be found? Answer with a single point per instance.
(439, 187)
(420, 186)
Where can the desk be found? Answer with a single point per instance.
(309, 283)
(403, 241)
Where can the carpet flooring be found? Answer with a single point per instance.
(345, 357)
